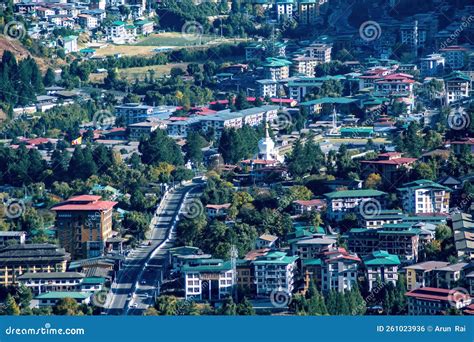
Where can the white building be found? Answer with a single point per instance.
(425, 197)
(381, 266)
(432, 65)
(455, 56)
(457, 87)
(341, 203)
(274, 271)
(267, 87)
(208, 279)
(284, 9)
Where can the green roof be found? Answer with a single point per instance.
(354, 193)
(328, 100)
(272, 62)
(207, 265)
(64, 294)
(457, 75)
(142, 22)
(381, 258)
(93, 280)
(69, 38)
(118, 23)
(354, 130)
(421, 184)
(312, 262)
(275, 257)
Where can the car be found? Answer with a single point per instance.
(143, 282)
(135, 305)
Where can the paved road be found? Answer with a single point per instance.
(136, 283)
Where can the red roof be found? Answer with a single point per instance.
(37, 141)
(218, 206)
(395, 161)
(468, 141)
(436, 294)
(84, 198)
(94, 206)
(311, 203)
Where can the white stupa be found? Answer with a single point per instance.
(266, 148)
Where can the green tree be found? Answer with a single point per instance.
(11, 307)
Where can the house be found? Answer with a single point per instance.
(266, 241)
(303, 65)
(341, 203)
(459, 145)
(10, 237)
(274, 271)
(88, 22)
(434, 301)
(463, 228)
(391, 166)
(217, 210)
(300, 207)
(84, 223)
(423, 274)
(381, 266)
(425, 197)
(457, 86)
(69, 44)
(52, 298)
(208, 279)
(18, 259)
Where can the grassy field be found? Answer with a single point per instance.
(174, 39)
(171, 40)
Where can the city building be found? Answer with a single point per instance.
(140, 130)
(423, 274)
(267, 88)
(391, 166)
(301, 207)
(311, 248)
(305, 66)
(320, 51)
(274, 271)
(456, 86)
(217, 210)
(381, 218)
(276, 69)
(285, 9)
(16, 260)
(133, 112)
(432, 65)
(434, 301)
(448, 276)
(42, 282)
(52, 298)
(266, 241)
(381, 266)
(208, 279)
(84, 223)
(455, 56)
(341, 203)
(425, 197)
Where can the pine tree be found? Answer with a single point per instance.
(12, 308)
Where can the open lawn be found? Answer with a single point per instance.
(175, 39)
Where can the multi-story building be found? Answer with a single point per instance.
(84, 223)
(303, 65)
(456, 86)
(267, 88)
(425, 197)
(144, 27)
(301, 207)
(448, 276)
(432, 65)
(308, 11)
(88, 22)
(284, 9)
(434, 301)
(463, 228)
(141, 130)
(133, 112)
(276, 68)
(18, 259)
(116, 31)
(399, 239)
(423, 274)
(51, 281)
(381, 218)
(341, 203)
(336, 270)
(274, 271)
(320, 51)
(311, 248)
(52, 298)
(455, 56)
(245, 275)
(381, 266)
(217, 210)
(391, 166)
(12, 238)
(208, 279)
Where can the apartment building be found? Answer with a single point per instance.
(267, 88)
(381, 266)
(455, 56)
(423, 274)
(305, 66)
(276, 69)
(141, 130)
(133, 112)
(457, 86)
(341, 203)
(274, 271)
(320, 51)
(16, 260)
(391, 166)
(425, 197)
(84, 223)
(311, 248)
(10, 237)
(432, 65)
(285, 9)
(380, 219)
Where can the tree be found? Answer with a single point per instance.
(373, 181)
(245, 308)
(443, 232)
(11, 307)
(228, 308)
(166, 305)
(241, 101)
(67, 307)
(193, 148)
(49, 78)
(160, 148)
